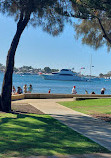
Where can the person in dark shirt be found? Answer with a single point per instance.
(93, 92)
(19, 90)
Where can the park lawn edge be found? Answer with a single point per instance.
(89, 106)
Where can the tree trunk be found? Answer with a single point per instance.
(7, 81)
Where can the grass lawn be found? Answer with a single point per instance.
(31, 134)
(90, 106)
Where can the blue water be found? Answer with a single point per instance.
(65, 87)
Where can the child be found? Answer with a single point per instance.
(49, 91)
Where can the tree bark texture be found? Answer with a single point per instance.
(7, 81)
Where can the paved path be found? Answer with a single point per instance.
(95, 129)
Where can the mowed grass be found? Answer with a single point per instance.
(90, 106)
(31, 134)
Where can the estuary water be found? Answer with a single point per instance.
(61, 87)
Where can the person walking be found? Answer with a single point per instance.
(73, 90)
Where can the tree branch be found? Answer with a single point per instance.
(23, 21)
(105, 35)
(20, 20)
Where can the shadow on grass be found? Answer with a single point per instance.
(25, 135)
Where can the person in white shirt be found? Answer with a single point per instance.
(73, 90)
(103, 90)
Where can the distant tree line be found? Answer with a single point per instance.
(29, 69)
(101, 75)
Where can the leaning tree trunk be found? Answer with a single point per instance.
(7, 81)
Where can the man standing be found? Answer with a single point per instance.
(73, 90)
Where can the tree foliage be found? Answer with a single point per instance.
(95, 24)
(44, 13)
(47, 69)
(92, 34)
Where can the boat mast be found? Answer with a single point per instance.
(91, 66)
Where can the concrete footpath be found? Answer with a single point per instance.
(93, 128)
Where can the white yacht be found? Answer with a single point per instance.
(64, 75)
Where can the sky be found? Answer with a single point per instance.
(39, 49)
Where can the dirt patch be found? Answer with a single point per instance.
(105, 117)
(24, 108)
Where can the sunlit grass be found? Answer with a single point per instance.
(90, 106)
(26, 135)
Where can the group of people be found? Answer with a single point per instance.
(27, 89)
(20, 91)
(86, 92)
(30, 88)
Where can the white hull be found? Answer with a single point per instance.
(63, 77)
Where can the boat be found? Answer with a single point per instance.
(93, 78)
(64, 75)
